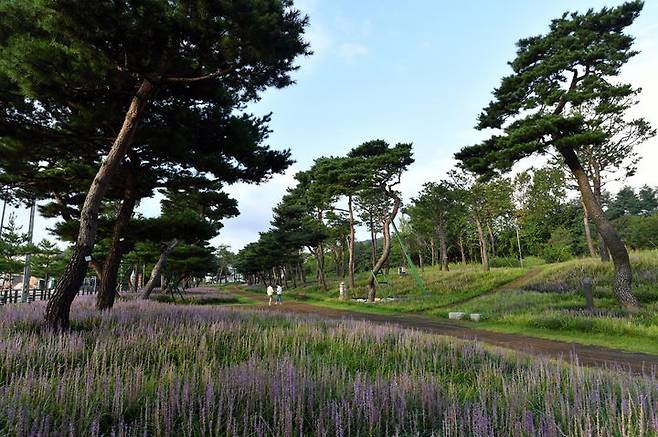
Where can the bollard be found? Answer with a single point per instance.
(341, 291)
(587, 289)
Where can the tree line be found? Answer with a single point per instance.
(563, 100)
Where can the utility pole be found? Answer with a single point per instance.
(27, 271)
(2, 220)
(518, 242)
(4, 208)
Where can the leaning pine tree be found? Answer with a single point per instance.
(61, 59)
(540, 106)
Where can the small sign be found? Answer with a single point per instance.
(87, 258)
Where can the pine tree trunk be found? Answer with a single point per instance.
(157, 268)
(108, 281)
(596, 185)
(623, 272)
(352, 244)
(373, 243)
(320, 258)
(484, 256)
(588, 233)
(386, 250)
(59, 305)
(443, 247)
(420, 259)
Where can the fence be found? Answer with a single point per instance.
(8, 296)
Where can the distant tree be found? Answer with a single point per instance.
(538, 107)
(434, 209)
(299, 223)
(13, 244)
(541, 197)
(559, 246)
(225, 259)
(46, 261)
(383, 167)
(648, 199)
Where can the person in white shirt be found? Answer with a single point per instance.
(270, 294)
(279, 292)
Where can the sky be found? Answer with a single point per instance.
(416, 71)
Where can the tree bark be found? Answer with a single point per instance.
(433, 251)
(596, 185)
(108, 281)
(443, 247)
(352, 244)
(588, 233)
(493, 240)
(320, 258)
(386, 250)
(623, 272)
(59, 306)
(157, 268)
(461, 250)
(484, 256)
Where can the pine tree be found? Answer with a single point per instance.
(208, 54)
(538, 107)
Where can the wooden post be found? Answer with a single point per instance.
(587, 289)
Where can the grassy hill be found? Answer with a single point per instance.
(543, 300)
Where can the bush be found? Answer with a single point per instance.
(504, 261)
(559, 247)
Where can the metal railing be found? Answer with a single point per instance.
(8, 296)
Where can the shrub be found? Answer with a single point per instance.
(559, 247)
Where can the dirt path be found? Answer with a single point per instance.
(593, 356)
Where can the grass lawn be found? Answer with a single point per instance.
(149, 368)
(549, 305)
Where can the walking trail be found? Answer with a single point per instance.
(592, 356)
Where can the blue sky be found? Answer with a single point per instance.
(414, 71)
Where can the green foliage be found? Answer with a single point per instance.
(559, 246)
(13, 244)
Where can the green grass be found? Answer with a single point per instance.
(444, 288)
(549, 305)
(552, 306)
(218, 298)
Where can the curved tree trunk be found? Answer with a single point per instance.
(157, 268)
(623, 272)
(386, 250)
(108, 281)
(588, 232)
(59, 305)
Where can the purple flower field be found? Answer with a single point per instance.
(160, 369)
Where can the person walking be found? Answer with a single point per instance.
(279, 292)
(270, 294)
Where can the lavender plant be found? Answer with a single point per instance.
(154, 369)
